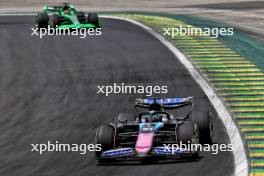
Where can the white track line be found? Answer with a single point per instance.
(240, 157)
(18, 14)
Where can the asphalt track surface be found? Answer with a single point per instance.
(48, 92)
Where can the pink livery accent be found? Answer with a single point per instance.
(144, 142)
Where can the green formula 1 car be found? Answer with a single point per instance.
(66, 16)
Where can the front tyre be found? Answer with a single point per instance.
(105, 136)
(188, 133)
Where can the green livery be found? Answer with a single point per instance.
(66, 16)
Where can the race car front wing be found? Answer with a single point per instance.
(156, 151)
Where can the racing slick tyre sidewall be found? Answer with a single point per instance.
(42, 20)
(187, 133)
(105, 137)
(205, 125)
(93, 19)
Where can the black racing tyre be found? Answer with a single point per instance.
(93, 19)
(187, 133)
(205, 125)
(105, 136)
(121, 117)
(81, 17)
(42, 20)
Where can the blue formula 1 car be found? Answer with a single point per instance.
(153, 131)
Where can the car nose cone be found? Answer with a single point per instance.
(144, 143)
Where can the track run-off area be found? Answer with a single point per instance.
(236, 79)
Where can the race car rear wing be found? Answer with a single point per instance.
(52, 8)
(47, 8)
(166, 103)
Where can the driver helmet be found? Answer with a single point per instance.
(159, 117)
(146, 119)
(156, 117)
(66, 8)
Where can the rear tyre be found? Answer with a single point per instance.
(205, 125)
(93, 19)
(42, 20)
(105, 136)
